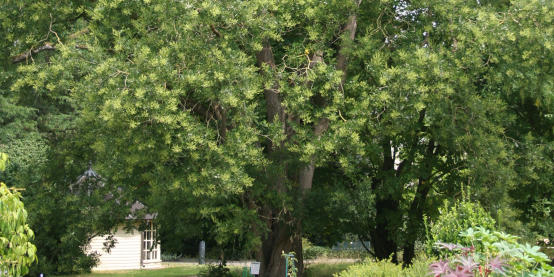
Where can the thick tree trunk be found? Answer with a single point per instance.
(415, 220)
(285, 231)
(384, 245)
(281, 238)
(387, 210)
(415, 214)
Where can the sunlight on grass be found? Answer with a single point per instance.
(325, 270)
(165, 272)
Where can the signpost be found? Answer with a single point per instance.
(255, 268)
(288, 257)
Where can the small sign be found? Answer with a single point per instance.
(255, 268)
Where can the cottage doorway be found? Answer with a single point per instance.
(150, 248)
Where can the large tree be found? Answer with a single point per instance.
(230, 108)
(226, 102)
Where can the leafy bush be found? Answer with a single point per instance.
(490, 253)
(292, 270)
(325, 269)
(385, 268)
(455, 219)
(314, 252)
(310, 251)
(16, 250)
(216, 271)
(347, 254)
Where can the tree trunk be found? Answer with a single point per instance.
(384, 245)
(415, 220)
(415, 214)
(281, 239)
(285, 233)
(387, 210)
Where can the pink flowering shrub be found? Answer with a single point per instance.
(490, 254)
(464, 264)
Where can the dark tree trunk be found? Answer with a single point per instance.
(415, 214)
(384, 245)
(415, 220)
(281, 238)
(387, 210)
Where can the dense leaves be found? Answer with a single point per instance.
(17, 252)
(250, 123)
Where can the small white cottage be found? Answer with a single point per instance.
(133, 249)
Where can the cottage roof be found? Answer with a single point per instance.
(92, 180)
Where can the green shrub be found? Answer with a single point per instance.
(216, 271)
(310, 251)
(17, 252)
(490, 253)
(385, 268)
(314, 252)
(325, 269)
(347, 254)
(455, 219)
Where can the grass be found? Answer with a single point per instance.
(325, 270)
(165, 272)
(312, 270)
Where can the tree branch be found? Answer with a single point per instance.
(22, 57)
(215, 31)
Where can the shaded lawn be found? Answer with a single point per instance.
(312, 270)
(165, 272)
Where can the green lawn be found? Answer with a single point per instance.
(325, 270)
(314, 270)
(165, 272)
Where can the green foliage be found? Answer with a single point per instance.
(325, 269)
(169, 257)
(499, 253)
(3, 161)
(171, 100)
(291, 261)
(385, 268)
(65, 222)
(454, 219)
(17, 251)
(311, 251)
(216, 271)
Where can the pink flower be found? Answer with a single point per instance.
(497, 265)
(438, 268)
(449, 246)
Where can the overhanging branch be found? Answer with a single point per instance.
(28, 54)
(46, 47)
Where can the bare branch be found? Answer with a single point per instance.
(215, 31)
(22, 57)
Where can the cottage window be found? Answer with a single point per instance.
(149, 247)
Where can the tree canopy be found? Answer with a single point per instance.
(256, 121)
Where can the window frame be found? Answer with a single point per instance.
(149, 247)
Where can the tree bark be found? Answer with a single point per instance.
(385, 246)
(387, 210)
(281, 236)
(415, 214)
(286, 232)
(415, 220)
